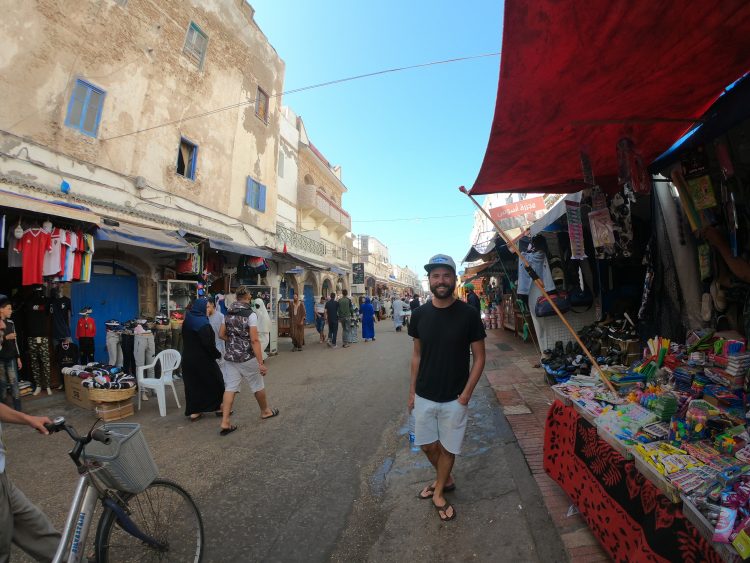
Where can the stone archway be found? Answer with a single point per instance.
(327, 287)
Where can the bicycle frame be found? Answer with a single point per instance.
(78, 522)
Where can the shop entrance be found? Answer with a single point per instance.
(309, 296)
(112, 295)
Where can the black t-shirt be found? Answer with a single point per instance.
(66, 354)
(60, 317)
(9, 348)
(445, 336)
(37, 313)
(332, 308)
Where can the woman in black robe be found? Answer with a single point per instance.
(204, 384)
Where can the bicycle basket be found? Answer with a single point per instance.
(125, 463)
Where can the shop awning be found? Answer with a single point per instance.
(480, 250)
(237, 248)
(582, 75)
(291, 258)
(731, 108)
(63, 209)
(338, 271)
(557, 211)
(474, 270)
(145, 238)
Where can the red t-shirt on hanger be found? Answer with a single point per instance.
(33, 245)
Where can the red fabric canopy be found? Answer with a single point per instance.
(582, 74)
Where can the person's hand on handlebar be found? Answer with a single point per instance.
(38, 422)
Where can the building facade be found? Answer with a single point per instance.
(155, 114)
(312, 226)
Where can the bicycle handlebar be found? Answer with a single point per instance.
(96, 434)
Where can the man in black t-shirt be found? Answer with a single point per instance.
(442, 376)
(332, 317)
(472, 298)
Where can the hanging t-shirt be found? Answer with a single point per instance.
(60, 307)
(78, 256)
(51, 265)
(36, 310)
(70, 257)
(66, 354)
(33, 246)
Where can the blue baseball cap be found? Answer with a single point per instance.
(440, 260)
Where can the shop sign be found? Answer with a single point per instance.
(358, 273)
(531, 205)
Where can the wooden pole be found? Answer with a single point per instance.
(540, 284)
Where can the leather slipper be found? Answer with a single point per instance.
(195, 418)
(225, 431)
(275, 413)
(431, 490)
(219, 414)
(444, 509)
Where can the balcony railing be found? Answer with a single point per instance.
(299, 241)
(310, 196)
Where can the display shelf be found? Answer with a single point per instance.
(691, 512)
(621, 448)
(659, 480)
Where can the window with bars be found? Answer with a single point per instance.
(261, 105)
(196, 43)
(187, 159)
(85, 108)
(255, 196)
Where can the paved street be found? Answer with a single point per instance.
(331, 478)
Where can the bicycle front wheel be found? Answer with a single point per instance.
(164, 511)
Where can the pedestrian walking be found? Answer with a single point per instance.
(216, 319)
(376, 307)
(204, 382)
(472, 298)
(346, 309)
(367, 312)
(320, 318)
(297, 316)
(332, 318)
(398, 310)
(244, 359)
(10, 356)
(443, 377)
(414, 303)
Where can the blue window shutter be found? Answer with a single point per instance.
(261, 198)
(249, 192)
(193, 162)
(85, 108)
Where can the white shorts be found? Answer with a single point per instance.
(235, 372)
(443, 422)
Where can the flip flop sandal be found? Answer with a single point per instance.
(195, 418)
(225, 431)
(219, 414)
(275, 413)
(444, 509)
(431, 490)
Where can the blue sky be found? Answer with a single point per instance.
(405, 141)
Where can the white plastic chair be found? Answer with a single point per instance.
(170, 361)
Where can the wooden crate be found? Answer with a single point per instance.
(114, 410)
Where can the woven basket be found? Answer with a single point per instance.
(110, 395)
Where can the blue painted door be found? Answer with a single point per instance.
(111, 297)
(307, 291)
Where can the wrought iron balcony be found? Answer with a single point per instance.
(293, 239)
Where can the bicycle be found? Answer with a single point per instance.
(144, 518)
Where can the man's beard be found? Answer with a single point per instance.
(442, 291)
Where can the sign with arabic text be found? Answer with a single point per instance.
(358, 273)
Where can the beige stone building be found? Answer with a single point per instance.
(158, 114)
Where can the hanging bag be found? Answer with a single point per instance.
(543, 308)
